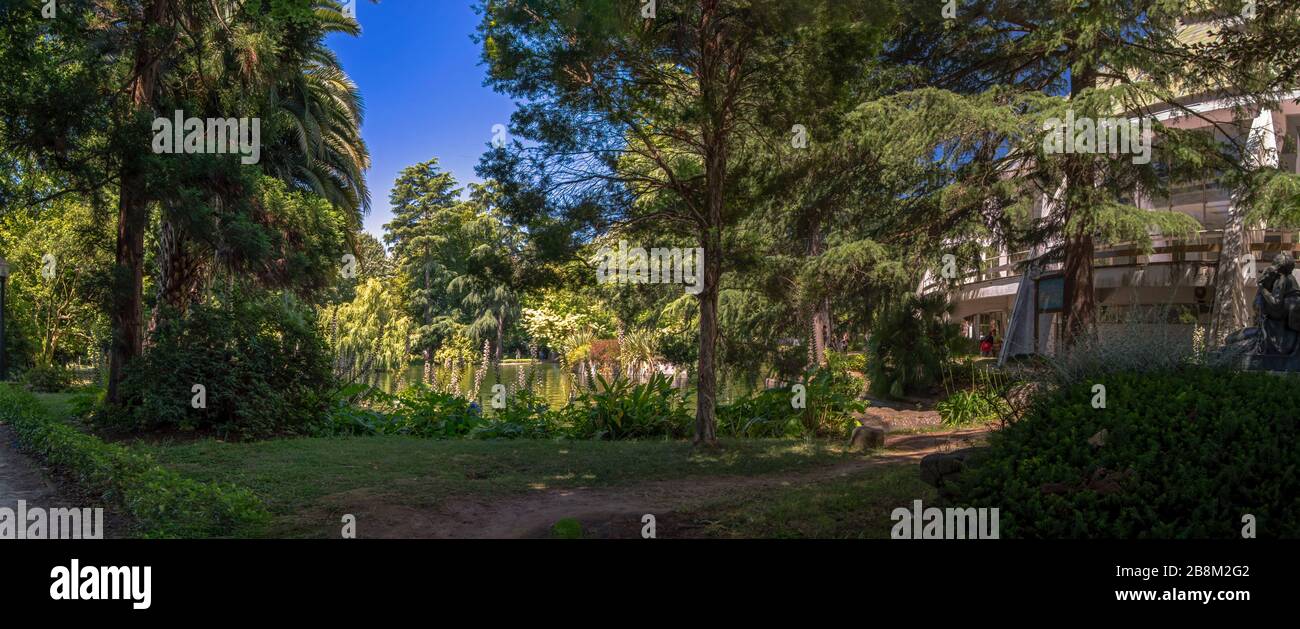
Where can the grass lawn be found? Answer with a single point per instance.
(297, 477)
(61, 405)
(854, 507)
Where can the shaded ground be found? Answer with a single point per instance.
(309, 483)
(611, 511)
(23, 478)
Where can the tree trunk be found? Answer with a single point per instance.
(1080, 316)
(501, 332)
(820, 316)
(706, 396)
(128, 281)
(133, 213)
(712, 76)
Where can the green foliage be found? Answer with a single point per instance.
(910, 345)
(624, 410)
(54, 321)
(526, 416)
(764, 414)
(830, 404)
(423, 412)
(260, 360)
(346, 416)
(162, 503)
(971, 407)
(1179, 454)
(556, 317)
(846, 362)
(47, 378)
(567, 528)
(371, 332)
(358, 410)
(977, 394)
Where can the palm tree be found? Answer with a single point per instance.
(308, 92)
(323, 106)
(910, 343)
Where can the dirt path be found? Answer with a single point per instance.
(23, 478)
(608, 509)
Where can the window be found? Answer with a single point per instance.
(1051, 294)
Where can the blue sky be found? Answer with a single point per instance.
(420, 76)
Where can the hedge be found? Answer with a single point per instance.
(1183, 454)
(162, 503)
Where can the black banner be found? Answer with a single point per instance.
(339, 578)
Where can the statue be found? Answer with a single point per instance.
(1274, 344)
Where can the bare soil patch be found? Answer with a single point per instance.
(603, 512)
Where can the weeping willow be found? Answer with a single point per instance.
(369, 334)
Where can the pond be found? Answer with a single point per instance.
(550, 381)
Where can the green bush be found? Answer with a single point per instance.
(47, 378)
(623, 410)
(830, 403)
(346, 417)
(260, 360)
(424, 412)
(161, 502)
(1181, 454)
(526, 416)
(846, 362)
(763, 414)
(972, 407)
(911, 344)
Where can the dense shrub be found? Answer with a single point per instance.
(830, 403)
(680, 349)
(624, 410)
(261, 362)
(766, 413)
(161, 502)
(971, 407)
(347, 416)
(846, 363)
(1180, 454)
(910, 345)
(47, 378)
(424, 412)
(525, 416)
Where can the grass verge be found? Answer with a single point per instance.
(161, 502)
(853, 507)
(301, 478)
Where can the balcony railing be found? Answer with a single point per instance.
(1202, 248)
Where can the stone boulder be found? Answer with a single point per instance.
(867, 438)
(941, 468)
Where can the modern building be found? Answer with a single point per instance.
(1022, 299)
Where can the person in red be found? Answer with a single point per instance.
(989, 342)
